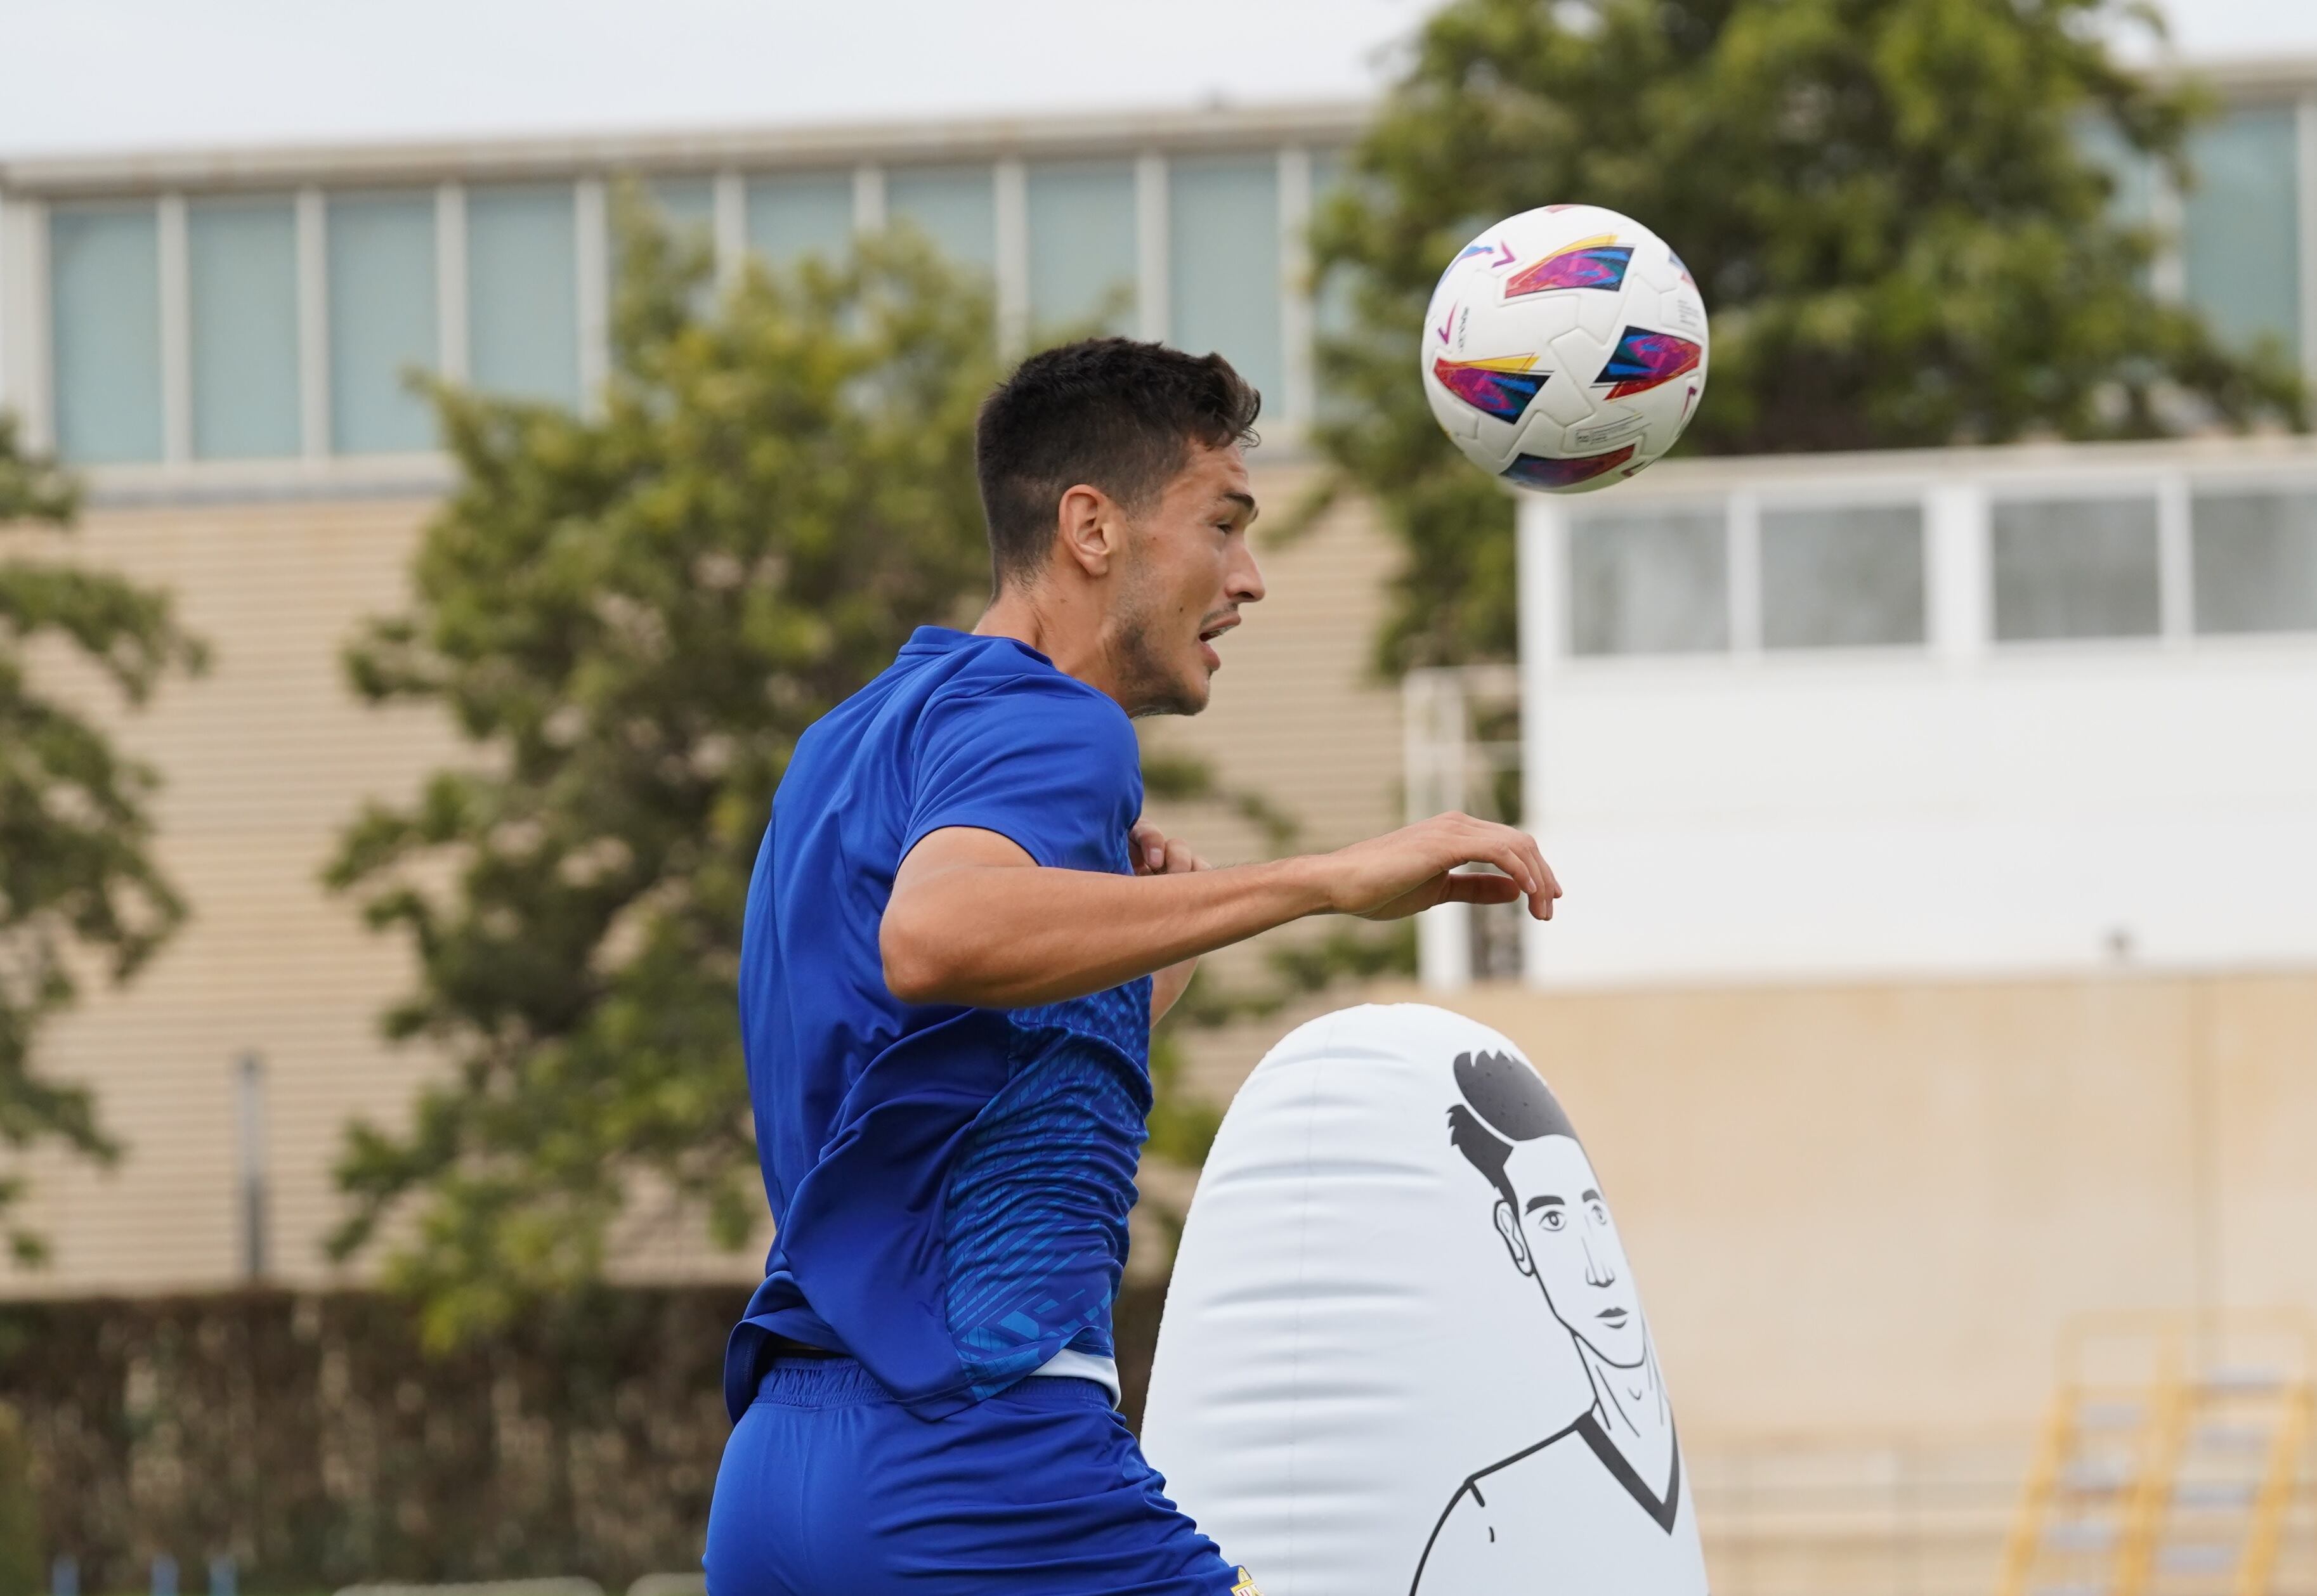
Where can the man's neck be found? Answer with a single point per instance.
(1064, 631)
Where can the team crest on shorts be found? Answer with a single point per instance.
(1246, 1586)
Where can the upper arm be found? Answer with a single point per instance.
(1036, 772)
(1046, 764)
(907, 936)
(951, 848)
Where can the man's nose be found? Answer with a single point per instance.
(1246, 579)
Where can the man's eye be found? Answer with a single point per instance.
(1552, 1218)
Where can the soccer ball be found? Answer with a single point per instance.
(1565, 349)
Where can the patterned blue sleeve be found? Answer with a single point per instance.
(1046, 761)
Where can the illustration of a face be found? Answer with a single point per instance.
(1562, 1236)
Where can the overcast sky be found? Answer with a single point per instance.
(130, 75)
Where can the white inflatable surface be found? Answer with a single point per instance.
(1403, 1354)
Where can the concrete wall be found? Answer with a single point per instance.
(1869, 1211)
(264, 759)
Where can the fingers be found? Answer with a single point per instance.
(1548, 886)
(1179, 859)
(1148, 845)
(1511, 850)
(1155, 853)
(1476, 887)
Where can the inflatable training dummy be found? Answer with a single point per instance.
(1403, 1354)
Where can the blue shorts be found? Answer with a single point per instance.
(829, 1488)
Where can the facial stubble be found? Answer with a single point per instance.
(1145, 680)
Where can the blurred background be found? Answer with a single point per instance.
(447, 453)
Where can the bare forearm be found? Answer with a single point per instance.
(1001, 937)
(973, 919)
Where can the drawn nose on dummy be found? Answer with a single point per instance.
(1597, 1272)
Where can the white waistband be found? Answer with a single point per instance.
(1069, 1365)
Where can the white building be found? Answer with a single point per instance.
(1955, 712)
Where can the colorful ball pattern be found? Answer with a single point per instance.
(1565, 349)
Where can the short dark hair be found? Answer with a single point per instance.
(1506, 1097)
(1111, 413)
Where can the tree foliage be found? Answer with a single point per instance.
(1888, 204)
(1182, 1123)
(79, 890)
(632, 615)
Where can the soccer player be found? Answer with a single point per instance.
(959, 931)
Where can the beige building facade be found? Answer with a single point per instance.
(269, 756)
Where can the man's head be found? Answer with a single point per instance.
(1113, 483)
(1549, 1210)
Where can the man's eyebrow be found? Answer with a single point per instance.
(1535, 1203)
(1240, 498)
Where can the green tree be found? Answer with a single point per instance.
(1888, 204)
(79, 885)
(632, 615)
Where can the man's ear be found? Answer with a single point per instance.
(1508, 1227)
(1089, 528)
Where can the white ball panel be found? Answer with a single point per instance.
(1601, 315)
(1562, 401)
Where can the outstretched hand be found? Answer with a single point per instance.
(1411, 869)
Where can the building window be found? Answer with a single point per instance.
(1842, 578)
(1333, 313)
(791, 217)
(956, 207)
(241, 257)
(382, 320)
(522, 293)
(1222, 265)
(1082, 248)
(105, 275)
(2075, 569)
(1650, 581)
(686, 206)
(2240, 227)
(2255, 558)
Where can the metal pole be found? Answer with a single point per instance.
(249, 1091)
(1432, 758)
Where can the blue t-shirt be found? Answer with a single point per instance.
(950, 1184)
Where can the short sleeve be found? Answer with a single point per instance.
(1048, 762)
